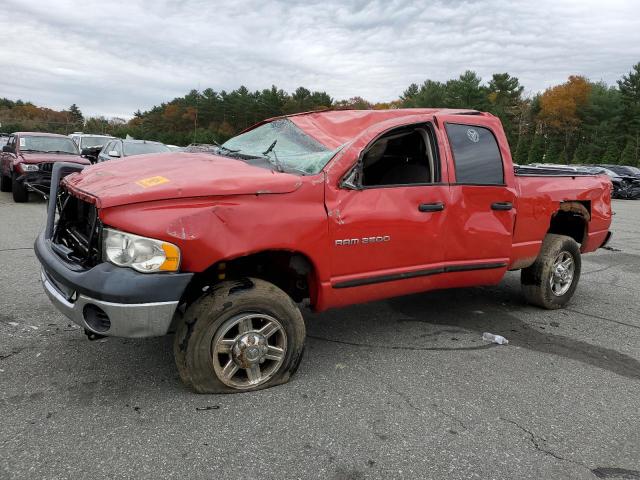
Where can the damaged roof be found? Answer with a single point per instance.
(337, 127)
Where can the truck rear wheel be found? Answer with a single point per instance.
(20, 192)
(551, 281)
(5, 183)
(241, 336)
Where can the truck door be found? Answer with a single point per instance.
(385, 228)
(482, 208)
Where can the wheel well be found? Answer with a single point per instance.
(572, 219)
(291, 271)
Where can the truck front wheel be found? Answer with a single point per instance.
(20, 192)
(240, 336)
(551, 281)
(5, 183)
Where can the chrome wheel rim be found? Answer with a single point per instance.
(562, 273)
(248, 349)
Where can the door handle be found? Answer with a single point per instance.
(501, 206)
(431, 207)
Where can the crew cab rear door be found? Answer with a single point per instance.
(481, 218)
(389, 225)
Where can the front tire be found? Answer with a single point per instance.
(552, 280)
(20, 192)
(241, 336)
(5, 183)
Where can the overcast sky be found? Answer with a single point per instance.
(113, 57)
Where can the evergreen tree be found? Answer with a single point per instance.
(521, 156)
(611, 154)
(581, 153)
(628, 154)
(75, 115)
(505, 101)
(563, 158)
(553, 150)
(466, 92)
(536, 152)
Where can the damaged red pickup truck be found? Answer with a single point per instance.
(336, 207)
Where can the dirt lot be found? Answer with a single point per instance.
(403, 388)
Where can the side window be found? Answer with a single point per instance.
(476, 155)
(403, 156)
(117, 146)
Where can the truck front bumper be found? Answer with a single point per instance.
(39, 182)
(110, 300)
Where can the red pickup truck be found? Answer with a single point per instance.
(333, 207)
(26, 162)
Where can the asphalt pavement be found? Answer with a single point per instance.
(403, 388)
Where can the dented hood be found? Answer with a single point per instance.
(146, 178)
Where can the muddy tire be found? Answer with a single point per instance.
(20, 192)
(5, 183)
(240, 336)
(551, 281)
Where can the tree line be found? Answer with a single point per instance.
(578, 121)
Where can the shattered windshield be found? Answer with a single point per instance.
(283, 144)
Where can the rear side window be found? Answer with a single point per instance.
(476, 155)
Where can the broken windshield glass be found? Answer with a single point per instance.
(283, 144)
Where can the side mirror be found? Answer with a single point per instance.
(352, 180)
(7, 149)
(113, 153)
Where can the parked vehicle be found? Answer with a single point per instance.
(85, 140)
(27, 160)
(624, 187)
(623, 170)
(335, 207)
(201, 147)
(119, 148)
(90, 144)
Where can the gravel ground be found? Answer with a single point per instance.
(403, 388)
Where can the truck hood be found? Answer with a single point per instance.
(51, 158)
(146, 178)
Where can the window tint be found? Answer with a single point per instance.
(476, 155)
(402, 156)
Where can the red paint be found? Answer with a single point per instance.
(216, 208)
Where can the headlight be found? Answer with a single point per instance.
(29, 167)
(143, 254)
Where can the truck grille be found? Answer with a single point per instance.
(46, 167)
(77, 234)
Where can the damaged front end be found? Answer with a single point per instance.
(36, 177)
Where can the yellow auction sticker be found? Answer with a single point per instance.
(152, 181)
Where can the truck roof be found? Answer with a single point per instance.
(337, 127)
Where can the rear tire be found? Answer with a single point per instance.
(5, 183)
(20, 192)
(552, 280)
(241, 336)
